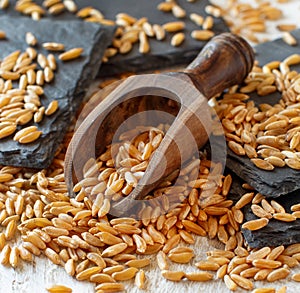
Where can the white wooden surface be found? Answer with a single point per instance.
(36, 276)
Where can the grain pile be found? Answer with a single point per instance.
(77, 234)
(250, 20)
(267, 134)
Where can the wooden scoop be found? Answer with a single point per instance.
(223, 62)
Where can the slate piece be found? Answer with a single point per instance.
(276, 232)
(281, 180)
(162, 53)
(70, 84)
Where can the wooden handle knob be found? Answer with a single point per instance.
(223, 62)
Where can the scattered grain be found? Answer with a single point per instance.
(289, 39)
(71, 54)
(174, 276)
(255, 224)
(59, 289)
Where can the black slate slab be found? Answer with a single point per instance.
(70, 84)
(162, 53)
(281, 184)
(281, 180)
(276, 232)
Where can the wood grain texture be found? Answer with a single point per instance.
(35, 277)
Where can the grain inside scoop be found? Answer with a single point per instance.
(223, 62)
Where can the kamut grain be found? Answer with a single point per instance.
(30, 39)
(174, 276)
(70, 5)
(230, 284)
(110, 287)
(173, 27)
(289, 39)
(59, 289)
(266, 263)
(208, 23)
(144, 46)
(290, 261)
(138, 263)
(260, 212)
(296, 277)
(140, 279)
(126, 274)
(278, 274)
(10, 230)
(191, 226)
(49, 3)
(56, 8)
(285, 217)
(207, 265)
(178, 11)
(159, 32)
(48, 74)
(242, 282)
(213, 10)
(87, 273)
(25, 254)
(171, 243)
(199, 276)
(165, 6)
(52, 108)
(222, 271)
(113, 269)
(275, 252)
(14, 257)
(71, 54)
(30, 137)
(177, 39)
(114, 250)
(101, 278)
(202, 35)
(52, 46)
(255, 224)
(197, 19)
(4, 4)
(183, 257)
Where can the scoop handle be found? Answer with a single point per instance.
(223, 62)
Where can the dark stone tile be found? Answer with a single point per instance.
(281, 180)
(69, 86)
(162, 54)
